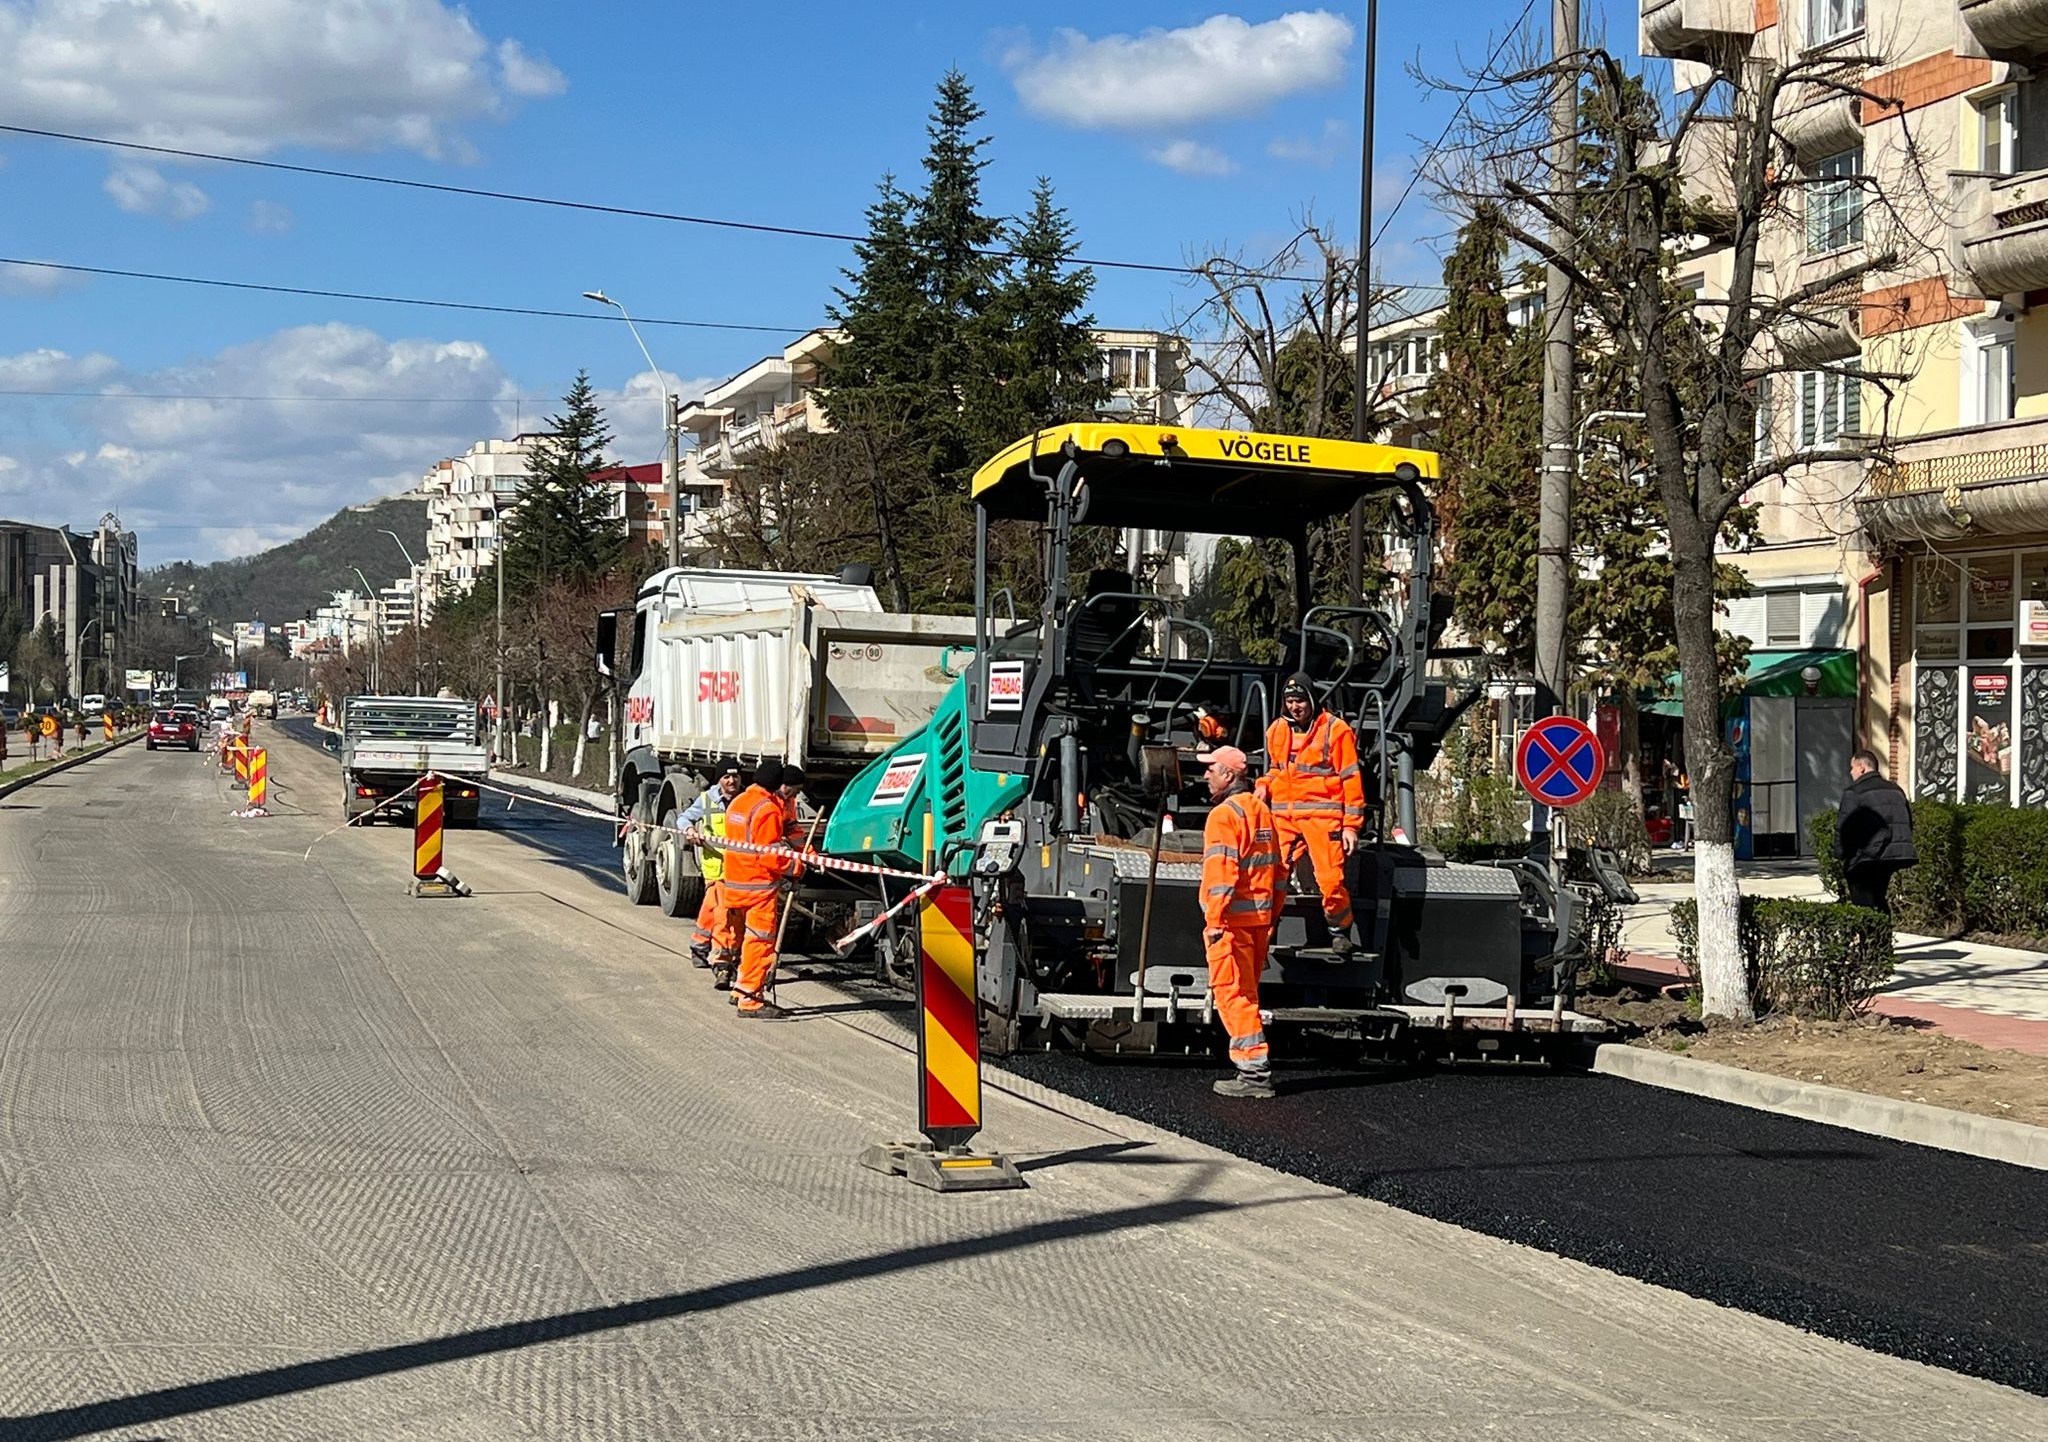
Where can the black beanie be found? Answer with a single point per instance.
(768, 775)
(1299, 681)
(792, 776)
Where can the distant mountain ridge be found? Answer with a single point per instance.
(282, 583)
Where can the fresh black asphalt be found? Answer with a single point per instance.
(1906, 1250)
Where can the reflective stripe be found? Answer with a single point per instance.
(760, 935)
(1220, 848)
(731, 885)
(1251, 1041)
(1223, 890)
(1349, 771)
(1319, 768)
(1263, 858)
(1242, 907)
(1308, 808)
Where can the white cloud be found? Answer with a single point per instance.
(1319, 150)
(210, 477)
(19, 279)
(1191, 157)
(141, 190)
(267, 217)
(47, 369)
(1167, 79)
(634, 411)
(252, 76)
(528, 75)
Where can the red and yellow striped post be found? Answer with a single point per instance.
(241, 750)
(949, 1034)
(108, 718)
(426, 831)
(948, 1060)
(259, 778)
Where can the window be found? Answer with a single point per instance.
(1830, 407)
(1997, 120)
(1766, 419)
(1129, 367)
(1781, 618)
(1988, 392)
(1834, 203)
(1832, 19)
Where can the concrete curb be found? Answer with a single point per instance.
(10, 787)
(2015, 1143)
(597, 800)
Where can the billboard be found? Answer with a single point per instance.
(139, 680)
(231, 681)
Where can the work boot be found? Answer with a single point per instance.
(1342, 945)
(1243, 1085)
(766, 1011)
(700, 959)
(722, 976)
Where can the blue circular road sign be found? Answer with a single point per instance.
(1559, 761)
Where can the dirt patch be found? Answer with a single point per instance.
(1885, 1056)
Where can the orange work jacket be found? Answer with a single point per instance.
(757, 816)
(1313, 775)
(1240, 864)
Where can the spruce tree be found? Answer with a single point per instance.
(563, 527)
(1041, 364)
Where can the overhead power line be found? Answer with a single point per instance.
(338, 399)
(609, 317)
(554, 202)
(1464, 100)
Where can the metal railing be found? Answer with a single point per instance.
(1969, 468)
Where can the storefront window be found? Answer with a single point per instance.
(1938, 603)
(1991, 597)
(1976, 725)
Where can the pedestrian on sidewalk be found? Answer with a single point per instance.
(1873, 833)
(1241, 879)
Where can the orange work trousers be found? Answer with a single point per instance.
(1235, 960)
(755, 913)
(716, 936)
(1318, 837)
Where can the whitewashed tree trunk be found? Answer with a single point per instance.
(1724, 976)
(547, 737)
(576, 761)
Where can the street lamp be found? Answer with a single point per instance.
(412, 569)
(671, 425)
(376, 631)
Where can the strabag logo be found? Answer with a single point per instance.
(718, 685)
(639, 710)
(1006, 686)
(897, 780)
(1244, 448)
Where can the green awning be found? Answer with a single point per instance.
(1773, 673)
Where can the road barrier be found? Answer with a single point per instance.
(109, 720)
(949, 1060)
(430, 877)
(239, 748)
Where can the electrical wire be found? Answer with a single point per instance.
(1464, 100)
(342, 400)
(606, 316)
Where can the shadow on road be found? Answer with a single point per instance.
(183, 1401)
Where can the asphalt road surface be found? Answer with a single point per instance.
(1903, 1249)
(284, 1153)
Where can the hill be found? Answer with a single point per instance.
(280, 584)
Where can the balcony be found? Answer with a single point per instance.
(1954, 485)
(1998, 243)
(1695, 29)
(2008, 29)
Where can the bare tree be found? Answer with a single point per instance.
(1720, 175)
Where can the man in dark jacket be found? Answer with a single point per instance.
(1873, 833)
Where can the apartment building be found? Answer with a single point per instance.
(467, 499)
(1927, 561)
(85, 583)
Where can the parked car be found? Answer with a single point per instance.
(173, 728)
(93, 705)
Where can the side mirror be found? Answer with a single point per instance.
(607, 641)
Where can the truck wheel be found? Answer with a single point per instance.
(677, 883)
(639, 860)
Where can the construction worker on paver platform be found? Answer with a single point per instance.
(703, 824)
(759, 816)
(1317, 793)
(1241, 881)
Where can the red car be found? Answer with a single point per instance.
(173, 728)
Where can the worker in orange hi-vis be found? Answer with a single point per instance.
(1241, 881)
(715, 942)
(754, 883)
(1317, 792)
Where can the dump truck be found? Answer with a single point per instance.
(387, 743)
(734, 666)
(1057, 779)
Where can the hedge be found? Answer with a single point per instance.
(1981, 868)
(1805, 958)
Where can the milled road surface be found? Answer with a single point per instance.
(284, 1153)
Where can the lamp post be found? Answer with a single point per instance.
(376, 631)
(671, 425)
(412, 569)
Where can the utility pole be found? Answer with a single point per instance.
(672, 473)
(1560, 318)
(1361, 396)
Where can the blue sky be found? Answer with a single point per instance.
(1168, 130)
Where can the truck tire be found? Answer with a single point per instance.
(638, 860)
(677, 884)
